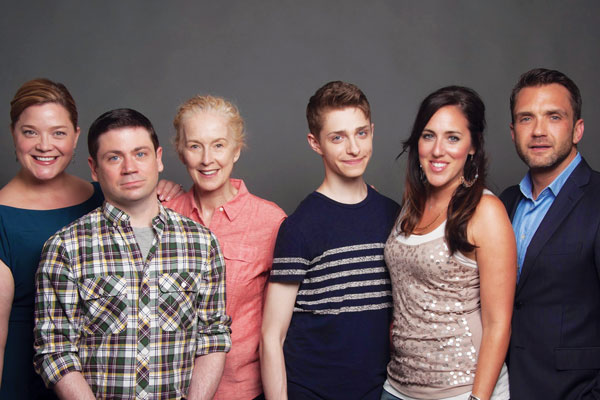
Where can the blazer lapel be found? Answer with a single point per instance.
(566, 200)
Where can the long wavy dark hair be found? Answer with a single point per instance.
(465, 199)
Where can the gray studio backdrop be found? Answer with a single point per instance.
(270, 56)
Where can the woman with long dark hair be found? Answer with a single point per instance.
(452, 261)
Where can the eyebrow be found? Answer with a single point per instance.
(546, 112)
(445, 132)
(51, 128)
(343, 131)
(123, 152)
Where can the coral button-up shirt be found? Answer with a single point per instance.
(246, 228)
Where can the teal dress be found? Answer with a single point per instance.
(22, 235)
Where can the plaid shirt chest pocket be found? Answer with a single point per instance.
(105, 305)
(177, 300)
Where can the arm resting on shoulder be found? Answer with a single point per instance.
(496, 256)
(279, 307)
(167, 190)
(7, 291)
(206, 376)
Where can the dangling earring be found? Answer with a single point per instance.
(470, 183)
(422, 174)
(466, 183)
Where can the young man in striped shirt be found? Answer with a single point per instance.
(325, 332)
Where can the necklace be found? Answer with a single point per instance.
(423, 228)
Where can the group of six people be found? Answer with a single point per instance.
(107, 291)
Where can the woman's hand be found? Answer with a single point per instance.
(168, 190)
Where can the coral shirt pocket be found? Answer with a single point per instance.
(240, 262)
(245, 278)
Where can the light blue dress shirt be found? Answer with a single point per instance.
(530, 212)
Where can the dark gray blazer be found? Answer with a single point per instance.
(554, 350)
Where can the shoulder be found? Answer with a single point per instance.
(75, 234)
(489, 214)
(266, 208)
(83, 224)
(182, 204)
(383, 201)
(182, 222)
(510, 193)
(7, 193)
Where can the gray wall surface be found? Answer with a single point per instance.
(269, 57)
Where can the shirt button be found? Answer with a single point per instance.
(220, 208)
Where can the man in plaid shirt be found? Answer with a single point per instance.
(131, 297)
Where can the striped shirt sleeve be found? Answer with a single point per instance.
(290, 258)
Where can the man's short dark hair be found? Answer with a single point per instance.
(334, 96)
(543, 76)
(116, 119)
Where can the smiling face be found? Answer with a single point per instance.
(127, 167)
(45, 140)
(444, 146)
(544, 132)
(209, 152)
(345, 143)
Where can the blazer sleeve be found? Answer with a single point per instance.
(592, 391)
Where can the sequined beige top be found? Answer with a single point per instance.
(436, 333)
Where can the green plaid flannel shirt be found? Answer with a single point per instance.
(86, 312)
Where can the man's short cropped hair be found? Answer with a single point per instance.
(541, 77)
(117, 119)
(334, 95)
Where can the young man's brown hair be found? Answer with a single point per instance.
(334, 96)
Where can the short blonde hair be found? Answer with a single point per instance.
(208, 103)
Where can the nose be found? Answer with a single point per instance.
(207, 157)
(128, 166)
(438, 148)
(352, 146)
(44, 143)
(538, 128)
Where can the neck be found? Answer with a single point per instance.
(209, 201)
(542, 177)
(54, 185)
(347, 191)
(141, 213)
(439, 198)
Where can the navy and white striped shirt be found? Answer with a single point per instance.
(337, 344)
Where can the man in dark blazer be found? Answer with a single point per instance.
(554, 350)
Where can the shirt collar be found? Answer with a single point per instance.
(116, 216)
(526, 185)
(234, 206)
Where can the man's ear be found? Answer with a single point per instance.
(93, 167)
(314, 144)
(512, 132)
(159, 159)
(578, 131)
